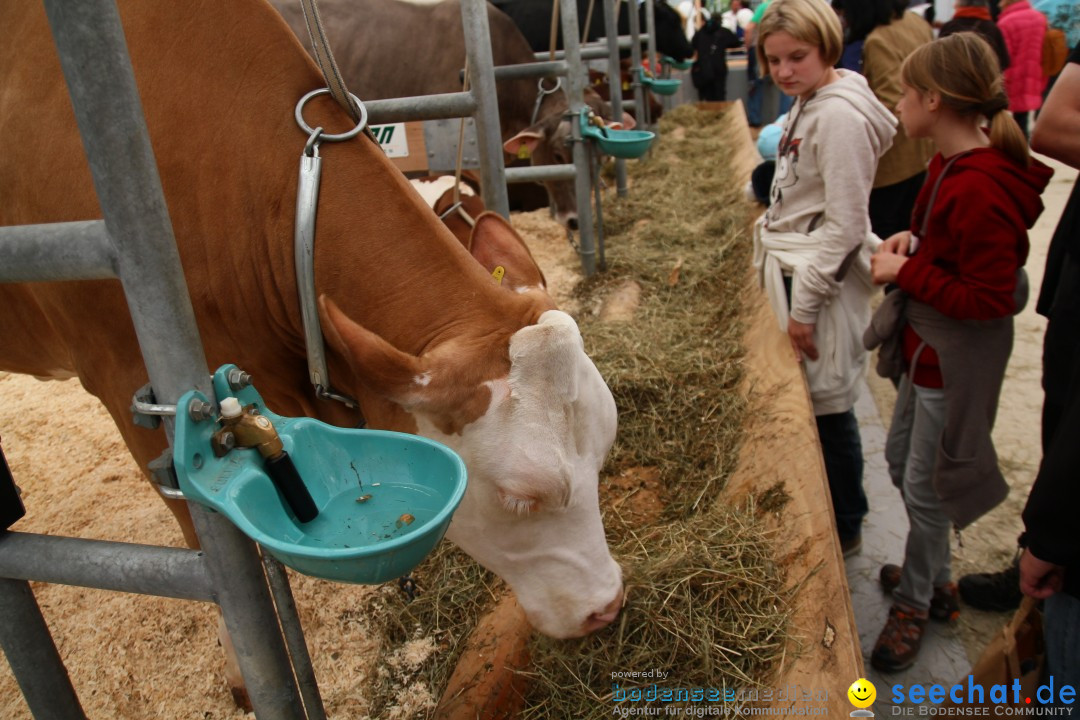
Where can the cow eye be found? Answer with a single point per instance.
(517, 505)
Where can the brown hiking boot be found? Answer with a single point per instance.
(945, 603)
(898, 645)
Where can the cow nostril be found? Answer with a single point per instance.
(572, 224)
(603, 618)
(606, 616)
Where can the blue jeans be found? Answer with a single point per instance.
(841, 446)
(754, 89)
(1061, 627)
(786, 101)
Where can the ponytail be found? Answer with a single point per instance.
(1006, 136)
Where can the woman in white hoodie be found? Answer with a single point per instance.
(813, 245)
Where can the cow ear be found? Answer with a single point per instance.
(494, 243)
(524, 144)
(375, 363)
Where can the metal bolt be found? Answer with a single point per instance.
(199, 410)
(238, 379)
(228, 441)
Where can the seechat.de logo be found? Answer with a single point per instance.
(1003, 699)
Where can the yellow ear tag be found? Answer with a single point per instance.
(498, 273)
(625, 86)
(523, 153)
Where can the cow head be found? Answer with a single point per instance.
(670, 36)
(547, 142)
(533, 420)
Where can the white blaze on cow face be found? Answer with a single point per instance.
(531, 513)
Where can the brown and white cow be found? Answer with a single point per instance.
(418, 330)
(389, 49)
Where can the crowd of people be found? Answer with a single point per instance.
(901, 163)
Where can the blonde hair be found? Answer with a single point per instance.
(809, 21)
(963, 69)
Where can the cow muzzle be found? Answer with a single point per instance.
(604, 617)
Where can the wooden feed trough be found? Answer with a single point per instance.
(780, 449)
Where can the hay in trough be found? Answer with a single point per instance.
(705, 598)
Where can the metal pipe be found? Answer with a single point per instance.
(539, 173)
(33, 657)
(58, 251)
(594, 177)
(575, 93)
(474, 21)
(294, 636)
(236, 572)
(126, 567)
(595, 50)
(615, 86)
(650, 29)
(635, 63)
(427, 107)
(93, 54)
(554, 68)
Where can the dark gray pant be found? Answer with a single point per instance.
(918, 421)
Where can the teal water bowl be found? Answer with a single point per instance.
(618, 143)
(677, 64)
(385, 499)
(661, 86)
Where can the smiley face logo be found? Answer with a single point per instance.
(862, 693)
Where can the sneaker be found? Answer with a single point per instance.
(898, 645)
(944, 604)
(851, 546)
(748, 191)
(996, 592)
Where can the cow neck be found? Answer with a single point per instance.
(424, 289)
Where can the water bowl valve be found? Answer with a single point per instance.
(244, 427)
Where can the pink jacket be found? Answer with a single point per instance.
(1023, 28)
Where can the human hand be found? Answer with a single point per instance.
(885, 266)
(1038, 578)
(802, 339)
(896, 244)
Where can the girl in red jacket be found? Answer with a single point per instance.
(962, 282)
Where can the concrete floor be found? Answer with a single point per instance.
(942, 658)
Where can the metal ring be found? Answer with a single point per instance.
(311, 149)
(330, 138)
(540, 86)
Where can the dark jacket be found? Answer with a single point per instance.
(985, 27)
(1050, 531)
(1049, 516)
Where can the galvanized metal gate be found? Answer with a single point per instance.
(135, 244)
